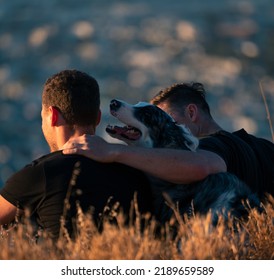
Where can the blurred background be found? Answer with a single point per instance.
(134, 49)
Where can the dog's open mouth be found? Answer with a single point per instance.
(127, 132)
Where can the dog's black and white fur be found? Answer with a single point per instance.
(149, 126)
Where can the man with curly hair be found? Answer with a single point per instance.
(52, 186)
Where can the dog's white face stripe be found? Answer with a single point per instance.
(142, 104)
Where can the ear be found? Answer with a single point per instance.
(192, 112)
(99, 117)
(54, 114)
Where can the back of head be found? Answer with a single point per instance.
(180, 95)
(75, 95)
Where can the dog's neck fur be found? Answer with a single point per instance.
(174, 136)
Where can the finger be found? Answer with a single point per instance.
(70, 145)
(68, 151)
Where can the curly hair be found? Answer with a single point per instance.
(75, 95)
(182, 94)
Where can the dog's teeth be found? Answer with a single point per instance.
(131, 130)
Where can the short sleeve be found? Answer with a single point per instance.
(26, 187)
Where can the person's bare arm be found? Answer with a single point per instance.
(176, 166)
(8, 211)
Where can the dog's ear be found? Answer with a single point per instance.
(191, 142)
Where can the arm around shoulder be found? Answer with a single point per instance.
(176, 166)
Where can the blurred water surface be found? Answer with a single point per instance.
(133, 48)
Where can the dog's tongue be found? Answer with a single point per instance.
(128, 132)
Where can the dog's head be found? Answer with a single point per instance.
(149, 126)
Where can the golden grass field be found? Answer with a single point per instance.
(195, 239)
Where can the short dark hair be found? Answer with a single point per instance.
(75, 94)
(182, 94)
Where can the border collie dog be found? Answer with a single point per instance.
(147, 125)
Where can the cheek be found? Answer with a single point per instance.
(45, 125)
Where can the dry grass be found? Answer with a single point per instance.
(196, 239)
(267, 110)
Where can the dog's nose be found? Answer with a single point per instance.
(115, 104)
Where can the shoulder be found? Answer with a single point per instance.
(26, 182)
(33, 174)
(257, 143)
(227, 145)
(213, 141)
(89, 169)
(223, 138)
(26, 174)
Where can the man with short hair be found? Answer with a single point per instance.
(249, 157)
(70, 108)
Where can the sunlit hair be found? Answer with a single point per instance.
(181, 94)
(75, 95)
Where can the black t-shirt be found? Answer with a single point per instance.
(43, 185)
(241, 159)
(264, 151)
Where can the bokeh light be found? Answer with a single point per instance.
(133, 48)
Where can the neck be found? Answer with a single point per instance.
(208, 127)
(67, 133)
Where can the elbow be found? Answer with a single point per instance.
(201, 173)
(195, 174)
(212, 167)
(196, 168)
(208, 168)
(204, 171)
